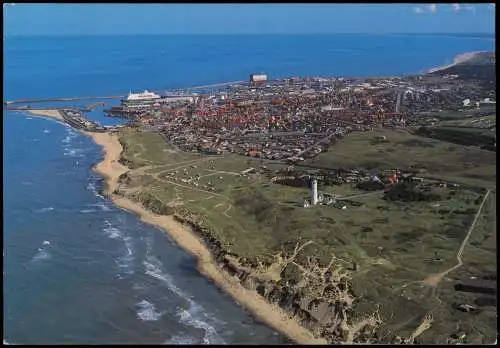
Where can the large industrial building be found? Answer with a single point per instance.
(258, 78)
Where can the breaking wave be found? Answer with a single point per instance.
(41, 255)
(85, 211)
(91, 187)
(181, 339)
(43, 210)
(72, 152)
(148, 312)
(71, 135)
(68, 140)
(111, 232)
(46, 131)
(194, 316)
(102, 206)
(126, 261)
(43, 252)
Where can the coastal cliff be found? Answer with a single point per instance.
(195, 240)
(301, 289)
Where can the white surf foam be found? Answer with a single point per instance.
(41, 255)
(46, 131)
(91, 187)
(138, 287)
(181, 339)
(69, 152)
(86, 211)
(102, 206)
(46, 242)
(195, 315)
(112, 232)
(191, 318)
(148, 312)
(70, 135)
(43, 210)
(126, 261)
(73, 152)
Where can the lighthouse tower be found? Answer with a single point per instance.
(314, 191)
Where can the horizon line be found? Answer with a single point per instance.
(256, 34)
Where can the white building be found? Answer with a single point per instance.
(258, 78)
(314, 192)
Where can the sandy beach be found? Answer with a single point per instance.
(458, 59)
(53, 114)
(270, 314)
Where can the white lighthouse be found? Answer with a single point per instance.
(314, 192)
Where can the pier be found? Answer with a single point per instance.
(76, 120)
(215, 85)
(166, 92)
(92, 106)
(46, 100)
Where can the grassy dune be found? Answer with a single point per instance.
(404, 150)
(394, 244)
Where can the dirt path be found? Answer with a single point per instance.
(362, 195)
(435, 279)
(215, 172)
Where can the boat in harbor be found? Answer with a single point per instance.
(145, 98)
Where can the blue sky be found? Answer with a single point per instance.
(125, 19)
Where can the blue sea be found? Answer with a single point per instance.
(79, 270)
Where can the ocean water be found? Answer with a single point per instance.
(79, 270)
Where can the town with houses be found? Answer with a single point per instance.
(292, 120)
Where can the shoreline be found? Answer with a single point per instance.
(50, 113)
(461, 58)
(270, 314)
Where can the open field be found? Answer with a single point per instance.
(481, 138)
(394, 245)
(477, 122)
(458, 116)
(407, 151)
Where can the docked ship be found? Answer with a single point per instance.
(145, 98)
(136, 103)
(133, 103)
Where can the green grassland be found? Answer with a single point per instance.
(469, 122)
(407, 151)
(458, 116)
(447, 115)
(395, 244)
